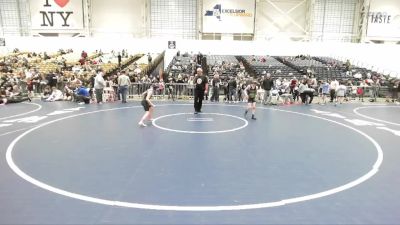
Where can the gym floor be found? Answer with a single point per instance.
(63, 163)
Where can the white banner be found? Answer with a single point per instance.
(56, 14)
(384, 19)
(228, 16)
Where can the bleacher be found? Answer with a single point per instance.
(226, 65)
(180, 64)
(269, 64)
(142, 62)
(220, 59)
(283, 66)
(336, 69)
(319, 68)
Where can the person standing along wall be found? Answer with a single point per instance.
(375, 85)
(232, 89)
(123, 85)
(119, 60)
(341, 92)
(99, 85)
(332, 89)
(324, 92)
(361, 90)
(267, 85)
(215, 82)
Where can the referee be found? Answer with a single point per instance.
(201, 88)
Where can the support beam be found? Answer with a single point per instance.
(309, 19)
(87, 12)
(199, 24)
(19, 18)
(361, 19)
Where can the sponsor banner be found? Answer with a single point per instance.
(56, 14)
(228, 16)
(384, 19)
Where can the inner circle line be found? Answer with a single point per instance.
(200, 132)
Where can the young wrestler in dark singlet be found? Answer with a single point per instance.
(251, 91)
(148, 106)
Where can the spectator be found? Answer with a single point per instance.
(3, 96)
(324, 92)
(46, 93)
(361, 90)
(82, 95)
(215, 83)
(170, 88)
(267, 85)
(51, 79)
(348, 65)
(332, 89)
(341, 92)
(56, 95)
(302, 91)
(375, 86)
(13, 95)
(119, 60)
(292, 86)
(99, 85)
(232, 88)
(123, 84)
(84, 55)
(68, 94)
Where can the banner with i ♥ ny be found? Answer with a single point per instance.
(56, 14)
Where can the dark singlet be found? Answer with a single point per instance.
(252, 92)
(145, 96)
(144, 102)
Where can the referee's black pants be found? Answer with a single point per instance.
(198, 100)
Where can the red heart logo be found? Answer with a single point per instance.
(61, 3)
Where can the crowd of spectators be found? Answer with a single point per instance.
(28, 74)
(21, 78)
(230, 79)
(305, 88)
